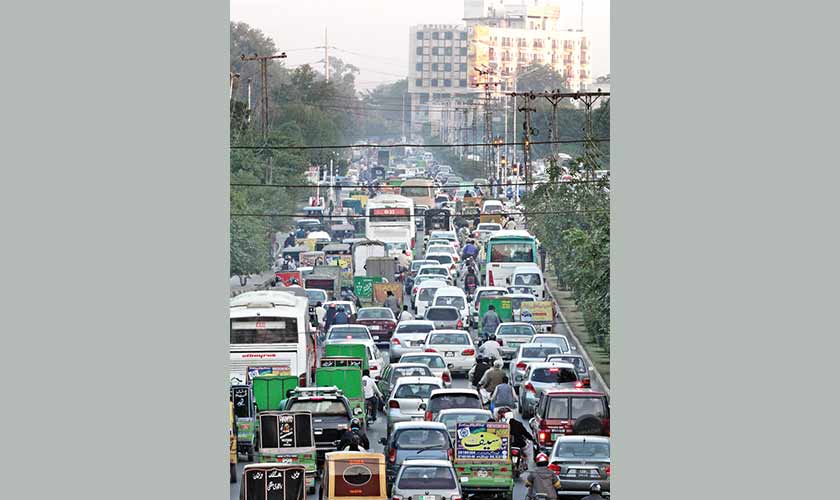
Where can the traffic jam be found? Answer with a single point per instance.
(408, 348)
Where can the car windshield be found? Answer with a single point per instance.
(588, 406)
(581, 449)
(449, 339)
(442, 314)
(324, 407)
(412, 439)
(527, 279)
(554, 375)
(452, 420)
(520, 330)
(443, 259)
(420, 328)
(375, 314)
(413, 371)
(427, 478)
(539, 352)
(447, 401)
(512, 252)
(556, 340)
(349, 333)
(414, 391)
(430, 361)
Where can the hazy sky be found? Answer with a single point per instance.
(376, 31)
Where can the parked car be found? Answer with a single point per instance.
(444, 317)
(581, 366)
(543, 377)
(513, 335)
(572, 411)
(446, 399)
(453, 296)
(380, 321)
(528, 353)
(434, 361)
(409, 336)
(415, 441)
(580, 461)
(421, 479)
(456, 347)
(409, 398)
(394, 371)
(554, 338)
(453, 416)
(348, 332)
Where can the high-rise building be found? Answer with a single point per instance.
(501, 37)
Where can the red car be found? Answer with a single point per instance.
(570, 412)
(380, 321)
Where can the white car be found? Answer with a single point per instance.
(553, 338)
(408, 398)
(454, 297)
(451, 250)
(410, 336)
(446, 235)
(528, 353)
(485, 229)
(439, 270)
(434, 361)
(425, 294)
(348, 333)
(456, 346)
(446, 259)
(530, 278)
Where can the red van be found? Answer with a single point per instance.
(570, 412)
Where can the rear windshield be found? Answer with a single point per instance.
(419, 328)
(554, 375)
(447, 401)
(421, 438)
(443, 259)
(430, 361)
(512, 252)
(580, 366)
(315, 295)
(539, 352)
(434, 270)
(413, 371)
(449, 339)
(415, 391)
(349, 333)
(427, 294)
(441, 249)
(427, 478)
(570, 449)
(527, 279)
(489, 227)
(452, 420)
(375, 314)
(516, 330)
(325, 407)
(419, 263)
(558, 407)
(557, 340)
(451, 301)
(442, 313)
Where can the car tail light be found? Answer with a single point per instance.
(468, 352)
(446, 377)
(578, 384)
(587, 382)
(455, 497)
(394, 404)
(373, 368)
(429, 349)
(530, 388)
(514, 452)
(451, 454)
(555, 468)
(543, 436)
(395, 497)
(395, 341)
(490, 281)
(459, 324)
(607, 470)
(521, 365)
(428, 416)
(392, 455)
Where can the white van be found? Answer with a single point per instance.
(453, 296)
(529, 277)
(425, 295)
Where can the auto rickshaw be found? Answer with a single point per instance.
(353, 474)
(349, 380)
(342, 231)
(233, 451)
(482, 459)
(273, 481)
(244, 412)
(293, 252)
(287, 438)
(270, 391)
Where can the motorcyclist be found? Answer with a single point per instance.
(482, 364)
(489, 322)
(492, 377)
(491, 348)
(542, 480)
(353, 437)
(503, 395)
(470, 280)
(470, 250)
(290, 240)
(341, 317)
(372, 394)
(594, 492)
(519, 435)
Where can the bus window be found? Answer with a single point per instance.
(512, 252)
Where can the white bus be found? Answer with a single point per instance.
(504, 252)
(390, 219)
(270, 334)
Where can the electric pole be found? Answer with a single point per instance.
(526, 143)
(263, 60)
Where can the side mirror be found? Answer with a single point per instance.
(421, 407)
(450, 366)
(357, 411)
(574, 348)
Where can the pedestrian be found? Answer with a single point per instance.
(372, 395)
(329, 319)
(391, 303)
(405, 315)
(403, 260)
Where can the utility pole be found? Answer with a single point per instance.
(250, 84)
(526, 146)
(403, 117)
(263, 60)
(326, 57)
(488, 119)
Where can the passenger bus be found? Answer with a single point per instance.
(270, 334)
(504, 252)
(422, 191)
(390, 219)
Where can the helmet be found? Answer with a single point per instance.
(498, 363)
(355, 424)
(492, 336)
(595, 488)
(541, 459)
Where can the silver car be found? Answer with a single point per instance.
(580, 461)
(444, 317)
(453, 416)
(434, 361)
(408, 399)
(554, 338)
(513, 335)
(394, 371)
(529, 353)
(409, 337)
(542, 377)
(426, 479)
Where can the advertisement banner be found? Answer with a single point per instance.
(380, 292)
(541, 311)
(489, 441)
(286, 277)
(363, 286)
(502, 305)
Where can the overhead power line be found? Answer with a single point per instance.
(336, 216)
(382, 146)
(365, 186)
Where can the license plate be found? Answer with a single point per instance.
(427, 497)
(555, 435)
(376, 337)
(450, 354)
(481, 473)
(374, 327)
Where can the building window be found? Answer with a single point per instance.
(419, 51)
(462, 51)
(435, 35)
(419, 35)
(462, 66)
(447, 67)
(434, 51)
(447, 82)
(434, 82)
(434, 66)
(418, 67)
(448, 35)
(448, 51)
(463, 35)
(424, 98)
(418, 83)
(463, 82)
